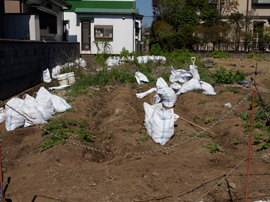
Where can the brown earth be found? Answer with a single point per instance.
(116, 115)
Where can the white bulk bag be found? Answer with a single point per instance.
(110, 62)
(2, 115)
(161, 83)
(33, 114)
(145, 58)
(56, 71)
(192, 84)
(44, 99)
(81, 62)
(162, 125)
(140, 59)
(141, 78)
(13, 119)
(46, 76)
(196, 74)
(59, 104)
(168, 96)
(176, 87)
(32, 101)
(180, 75)
(149, 109)
(207, 88)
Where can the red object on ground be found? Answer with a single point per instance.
(250, 141)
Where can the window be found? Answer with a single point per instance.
(103, 32)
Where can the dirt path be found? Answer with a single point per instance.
(184, 173)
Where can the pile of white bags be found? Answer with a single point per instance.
(45, 98)
(159, 122)
(116, 61)
(191, 80)
(38, 110)
(145, 59)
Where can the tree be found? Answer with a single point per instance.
(227, 6)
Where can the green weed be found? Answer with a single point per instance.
(143, 139)
(214, 147)
(63, 129)
(196, 118)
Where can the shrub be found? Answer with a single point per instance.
(224, 76)
(156, 50)
(219, 54)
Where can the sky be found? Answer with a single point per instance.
(145, 8)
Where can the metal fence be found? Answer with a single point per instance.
(234, 47)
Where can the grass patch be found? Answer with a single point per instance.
(65, 129)
(234, 91)
(143, 139)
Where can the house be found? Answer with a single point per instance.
(100, 25)
(32, 19)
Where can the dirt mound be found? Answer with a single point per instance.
(115, 116)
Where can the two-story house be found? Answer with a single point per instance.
(93, 23)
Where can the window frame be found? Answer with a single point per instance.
(103, 27)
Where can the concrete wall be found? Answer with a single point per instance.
(22, 62)
(123, 31)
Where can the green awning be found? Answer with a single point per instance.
(106, 10)
(86, 17)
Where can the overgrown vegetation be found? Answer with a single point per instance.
(66, 129)
(263, 139)
(224, 76)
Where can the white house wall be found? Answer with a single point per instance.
(123, 31)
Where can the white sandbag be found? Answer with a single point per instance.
(141, 78)
(162, 125)
(157, 99)
(176, 87)
(207, 88)
(32, 101)
(44, 99)
(161, 83)
(56, 71)
(180, 75)
(196, 74)
(140, 59)
(13, 119)
(161, 59)
(59, 104)
(46, 76)
(149, 109)
(110, 62)
(145, 59)
(141, 95)
(63, 87)
(33, 114)
(81, 62)
(2, 115)
(192, 84)
(168, 96)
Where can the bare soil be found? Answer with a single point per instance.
(116, 115)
